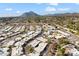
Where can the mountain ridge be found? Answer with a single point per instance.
(30, 13)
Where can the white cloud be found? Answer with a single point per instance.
(9, 15)
(77, 3)
(49, 9)
(39, 3)
(18, 11)
(63, 9)
(8, 9)
(55, 4)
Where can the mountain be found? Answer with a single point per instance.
(27, 14)
(64, 14)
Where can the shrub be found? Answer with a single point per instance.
(29, 49)
(48, 40)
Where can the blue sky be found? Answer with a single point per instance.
(13, 9)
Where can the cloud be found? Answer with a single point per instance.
(49, 9)
(18, 11)
(63, 9)
(8, 9)
(55, 4)
(39, 3)
(77, 3)
(9, 15)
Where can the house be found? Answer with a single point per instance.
(17, 51)
(41, 47)
(4, 51)
(34, 43)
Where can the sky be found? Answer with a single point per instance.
(16, 9)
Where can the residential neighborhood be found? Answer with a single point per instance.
(33, 40)
(39, 29)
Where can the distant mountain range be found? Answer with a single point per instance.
(31, 13)
(64, 14)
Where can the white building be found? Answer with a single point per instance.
(34, 43)
(41, 39)
(17, 51)
(63, 33)
(41, 47)
(3, 51)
